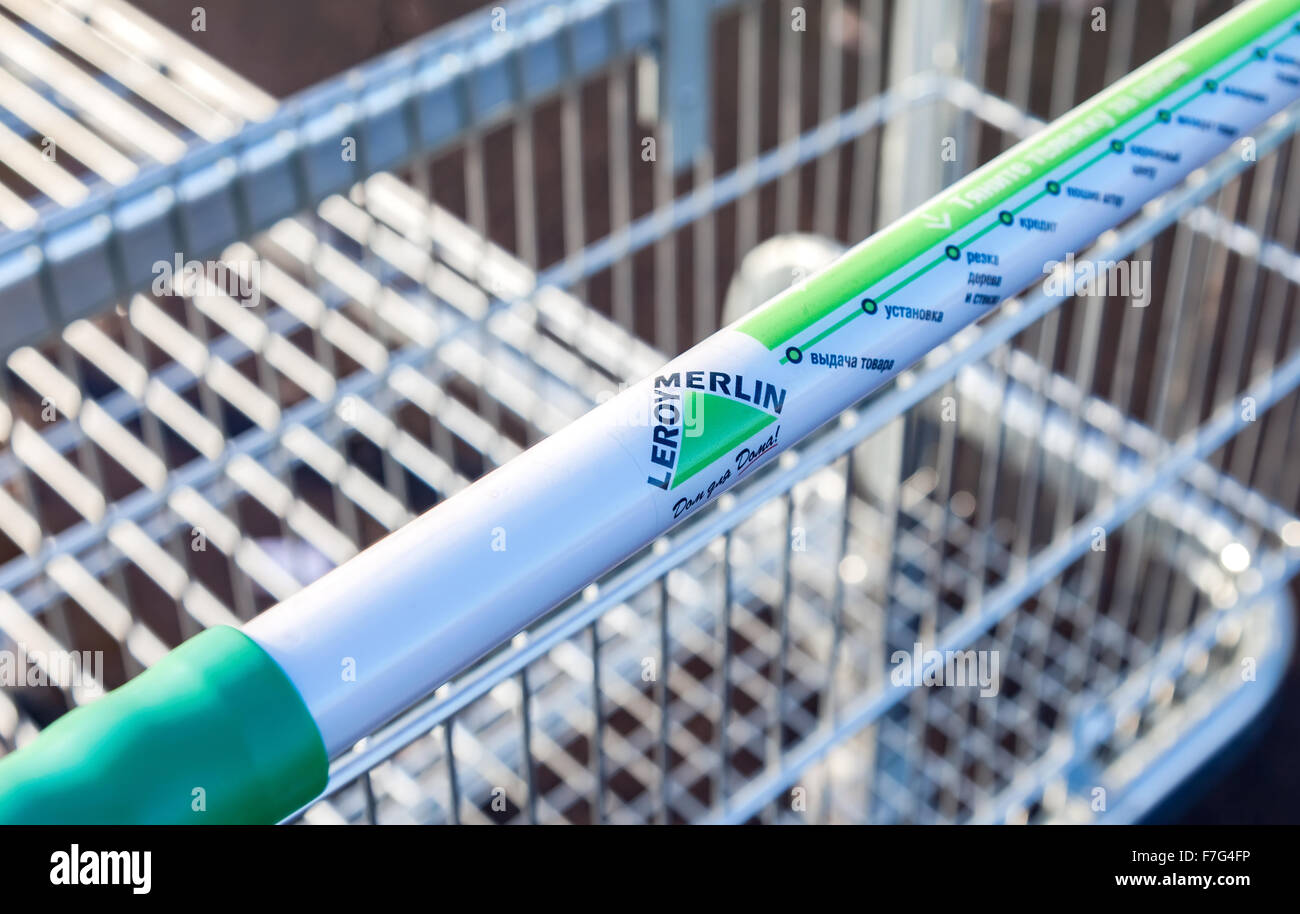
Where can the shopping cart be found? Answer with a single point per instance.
(1095, 493)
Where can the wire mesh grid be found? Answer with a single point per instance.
(1032, 492)
(94, 92)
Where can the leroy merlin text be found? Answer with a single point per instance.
(667, 409)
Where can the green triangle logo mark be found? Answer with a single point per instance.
(721, 425)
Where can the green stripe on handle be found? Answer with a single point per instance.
(214, 733)
(804, 304)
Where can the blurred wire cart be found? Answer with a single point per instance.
(1096, 490)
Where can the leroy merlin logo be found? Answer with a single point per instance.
(727, 409)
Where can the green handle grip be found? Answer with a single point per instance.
(213, 733)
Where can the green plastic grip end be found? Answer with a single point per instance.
(214, 733)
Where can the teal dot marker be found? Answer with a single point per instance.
(794, 355)
(1211, 85)
(1163, 116)
(1053, 188)
(1005, 217)
(868, 306)
(953, 252)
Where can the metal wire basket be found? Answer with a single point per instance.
(1096, 493)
